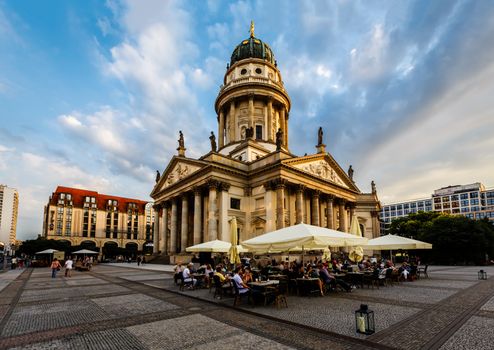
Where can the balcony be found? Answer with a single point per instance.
(251, 80)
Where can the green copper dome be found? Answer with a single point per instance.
(252, 48)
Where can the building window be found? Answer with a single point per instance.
(474, 202)
(474, 195)
(235, 203)
(85, 223)
(258, 132)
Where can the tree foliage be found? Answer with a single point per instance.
(455, 239)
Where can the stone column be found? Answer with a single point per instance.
(251, 111)
(315, 208)
(221, 134)
(269, 200)
(212, 224)
(269, 130)
(223, 205)
(342, 214)
(299, 204)
(197, 216)
(280, 199)
(233, 122)
(329, 212)
(164, 243)
(173, 227)
(156, 231)
(185, 223)
(283, 124)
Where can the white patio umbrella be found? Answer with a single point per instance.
(302, 235)
(233, 252)
(357, 253)
(47, 251)
(85, 251)
(215, 246)
(393, 242)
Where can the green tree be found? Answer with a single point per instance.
(455, 239)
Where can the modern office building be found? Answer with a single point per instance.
(472, 200)
(9, 204)
(250, 173)
(84, 217)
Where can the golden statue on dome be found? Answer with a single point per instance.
(251, 29)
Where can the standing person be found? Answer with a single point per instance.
(139, 260)
(55, 266)
(68, 267)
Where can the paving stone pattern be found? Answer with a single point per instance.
(119, 308)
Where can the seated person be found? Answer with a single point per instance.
(220, 275)
(237, 279)
(208, 271)
(331, 279)
(187, 275)
(404, 270)
(247, 276)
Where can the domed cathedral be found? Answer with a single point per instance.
(250, 173)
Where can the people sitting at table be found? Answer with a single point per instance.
(208, 272)
(247, 275)
(330, 279)
(220, 275)
(187, 275)
(404, 270)
(237, 279)
(314, 273)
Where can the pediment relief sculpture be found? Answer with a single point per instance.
(180, 171)
(323, 170)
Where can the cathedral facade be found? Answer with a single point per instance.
(250, 172)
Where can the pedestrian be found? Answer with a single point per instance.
(68, 267)
(143, 260)
(139, 260)
(55, 266)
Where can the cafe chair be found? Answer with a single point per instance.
(422, 271)
(183, 284)
(238, 297)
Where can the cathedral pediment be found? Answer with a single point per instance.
(177, 170)
(324, 167)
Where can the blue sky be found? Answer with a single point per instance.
(93, 93)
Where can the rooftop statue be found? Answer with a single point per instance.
(181, 143)
(320, 134)
(350, 172)
(158, 176)
(212, 138)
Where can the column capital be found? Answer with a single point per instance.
(269, 186)
(212, 183)
(223, 186)
(251, 96)
(316, 193)
(300, 188)
(197, 190)
(280, 183)
(330, 197)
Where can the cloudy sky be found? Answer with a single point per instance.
(93, 93)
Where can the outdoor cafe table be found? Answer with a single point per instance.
(200, 278)
(356, 278)
(262, 288)
(307, 286)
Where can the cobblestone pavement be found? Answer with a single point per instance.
(117, 307)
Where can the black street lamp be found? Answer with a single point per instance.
(364, 320)
(482, 275)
